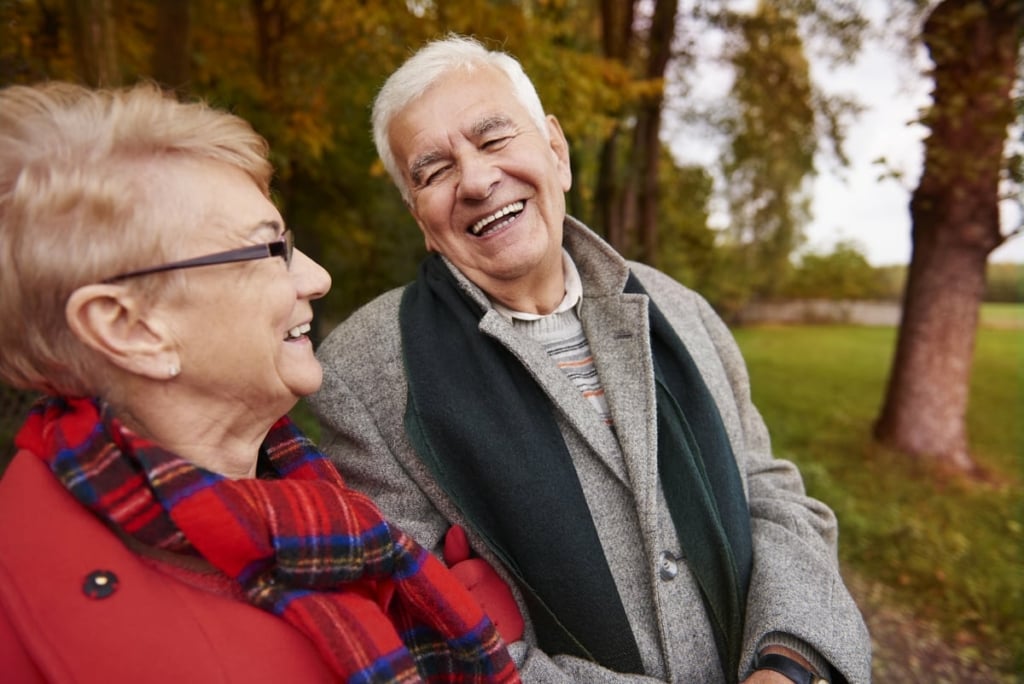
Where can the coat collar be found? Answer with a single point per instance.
(618, 333)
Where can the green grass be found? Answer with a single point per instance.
(950, 550)
(1002, 315)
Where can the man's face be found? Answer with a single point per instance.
(486, 188)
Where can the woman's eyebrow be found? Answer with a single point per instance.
(273, 224)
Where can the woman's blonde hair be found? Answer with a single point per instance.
(75, 207)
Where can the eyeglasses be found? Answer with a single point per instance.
(281, 248)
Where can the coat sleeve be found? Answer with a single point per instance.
(360, 407)
(796, 588)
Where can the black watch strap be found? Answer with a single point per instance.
(788, 667)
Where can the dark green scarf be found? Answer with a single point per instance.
(488, 433)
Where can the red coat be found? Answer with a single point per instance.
(151, 628)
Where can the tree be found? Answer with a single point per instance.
(650, 40)
(616, 41)
(646, 141)
(170, 59)
(773, 144)
(31, 47)
(92, 30)
(975, 46)
(843, 273)
(687, 251)
(628, 197)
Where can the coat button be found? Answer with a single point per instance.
(99, 584)
(668, 568)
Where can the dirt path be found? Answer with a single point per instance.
(908, 650)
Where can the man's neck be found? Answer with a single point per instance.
(570, 290)
(529, 302)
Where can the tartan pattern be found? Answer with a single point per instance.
(305, 547)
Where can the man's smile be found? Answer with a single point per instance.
(498, 219)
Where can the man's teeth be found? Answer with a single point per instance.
(479, 226)
(298, 331)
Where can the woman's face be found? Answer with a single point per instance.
(240, 328)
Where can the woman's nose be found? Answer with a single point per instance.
(313, 279)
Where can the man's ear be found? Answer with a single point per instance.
(560, 146)
(115, 323)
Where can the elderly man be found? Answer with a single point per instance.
(586, 420)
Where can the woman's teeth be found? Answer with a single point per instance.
(478, 227)
(298, 331)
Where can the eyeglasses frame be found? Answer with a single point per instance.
(282, 247)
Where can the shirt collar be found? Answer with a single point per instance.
(573, 294)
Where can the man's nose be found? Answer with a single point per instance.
(478, 176)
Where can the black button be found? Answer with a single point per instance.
(99, 584)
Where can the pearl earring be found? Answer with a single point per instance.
(173, 371)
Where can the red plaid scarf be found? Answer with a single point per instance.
(378, 606)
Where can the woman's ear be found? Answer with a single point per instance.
(116, 324)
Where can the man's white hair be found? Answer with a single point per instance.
(430, 63)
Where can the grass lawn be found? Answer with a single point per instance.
(1002, 315)
(948, 551)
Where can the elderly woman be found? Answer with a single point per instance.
(161, 520)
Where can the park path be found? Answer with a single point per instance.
(912, 651)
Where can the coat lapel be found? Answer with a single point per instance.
(571, 406)
(619, 337)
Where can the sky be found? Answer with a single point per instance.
(854, 203)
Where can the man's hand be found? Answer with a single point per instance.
(767, 677)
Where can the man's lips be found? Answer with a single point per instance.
(498, 219)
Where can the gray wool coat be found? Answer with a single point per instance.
(795, 588)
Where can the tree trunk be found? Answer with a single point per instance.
(92, 34)
(271, 17)
(974, 45)
(616, 39)
(609, 190)
(170, 61)
(647, 143)
(648, 147)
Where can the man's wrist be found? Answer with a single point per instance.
(795, 648)
(790, 667)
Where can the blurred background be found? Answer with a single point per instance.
(795, 161)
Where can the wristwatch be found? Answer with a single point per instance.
(788, 667)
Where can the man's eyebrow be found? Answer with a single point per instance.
(491, 123)
(421, 162)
